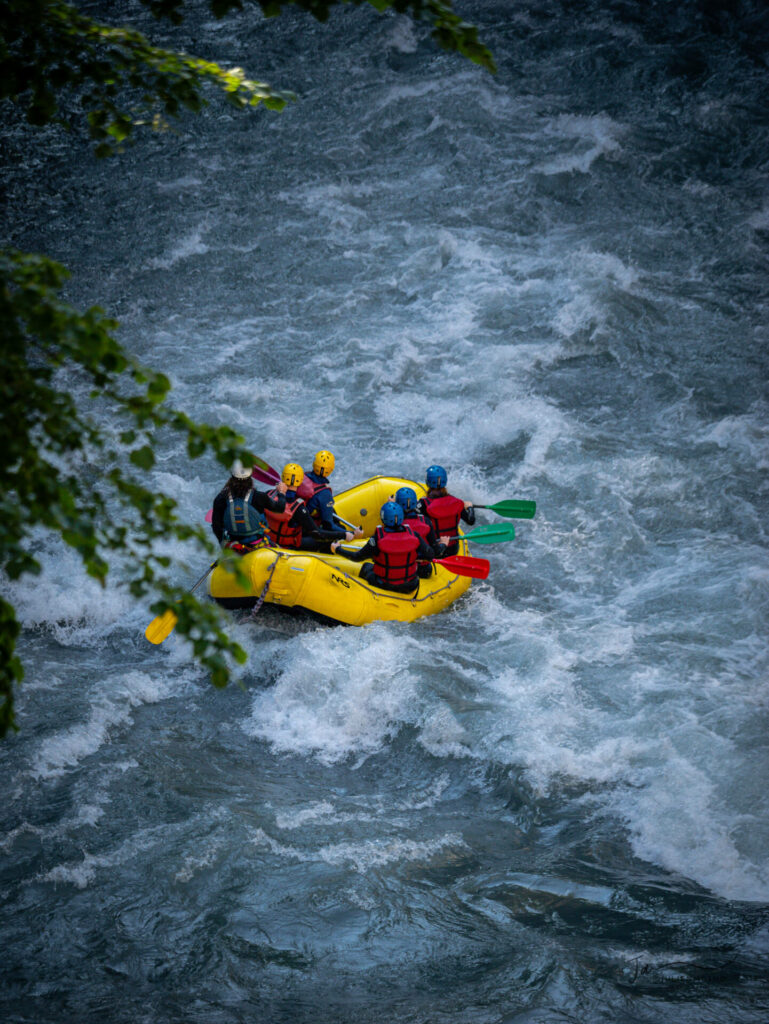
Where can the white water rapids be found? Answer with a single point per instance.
(549, 803)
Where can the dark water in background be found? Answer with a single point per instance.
(550, 803)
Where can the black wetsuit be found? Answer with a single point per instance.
(321, 507)
(313, 537)
(432, 539)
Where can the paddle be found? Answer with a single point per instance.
(512, 508)
(463, 565)
(494, 533)
(266, 467)
(161, 627)
(264, 477)
(344, 522)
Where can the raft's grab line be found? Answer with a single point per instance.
(375, 591)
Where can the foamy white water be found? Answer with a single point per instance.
(550, 802)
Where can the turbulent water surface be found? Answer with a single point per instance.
(550, 802)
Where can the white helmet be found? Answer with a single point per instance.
(239, 471)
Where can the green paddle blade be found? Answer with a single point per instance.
(513, 509)
(494, 533)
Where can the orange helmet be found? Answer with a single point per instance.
(324, 463)
(292, 475)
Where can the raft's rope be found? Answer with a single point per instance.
(265, 588)
(390, 594)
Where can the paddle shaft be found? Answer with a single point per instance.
(345, 523)
(205, 576)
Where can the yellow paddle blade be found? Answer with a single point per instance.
(161, 627)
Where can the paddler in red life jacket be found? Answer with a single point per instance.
(442, 509)
(418, 523)
(315, 490)
(395, 550)
(237, 518)
(289, 527)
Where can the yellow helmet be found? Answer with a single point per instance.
(324, 463)
(292, 475)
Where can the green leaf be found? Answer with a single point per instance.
(143, 457)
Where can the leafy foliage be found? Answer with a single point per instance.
(62, 470)
(63, 375)
(448, 28)
(49, 51)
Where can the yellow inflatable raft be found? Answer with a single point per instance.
(329, 585)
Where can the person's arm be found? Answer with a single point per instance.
(432, 536)
(262, 499)
(310, 529)
(437, 547)
(468, 513)
(368, 550)
(441, 545)
(323, 501)
(435, 542)
(217, 515)
(343, 533)
(425, 551)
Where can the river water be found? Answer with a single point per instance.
(549, 803)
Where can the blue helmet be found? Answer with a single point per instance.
(391, 515)
(406, 498)
(436, 476)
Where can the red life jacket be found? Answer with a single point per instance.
(279, 526)
(307, 489)
(418, 525)
(396, 559)
(445, 513)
